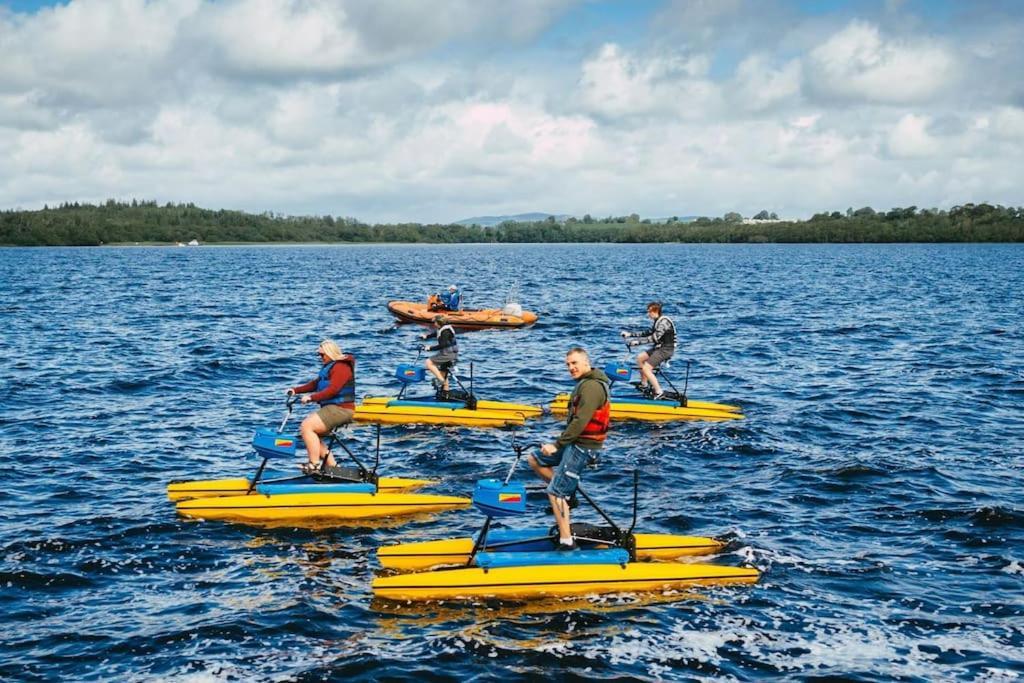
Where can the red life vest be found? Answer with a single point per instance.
(347, 393)
(597, 429)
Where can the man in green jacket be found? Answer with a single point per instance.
(561, 463)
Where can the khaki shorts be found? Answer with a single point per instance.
(659, 356)
(334, 415)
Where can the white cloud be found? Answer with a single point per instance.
(910, 138)
(856, 64)
(402, 110)
(759, 86)
(91, 54)
(1008, 122)
(617, 83)
(806, 121)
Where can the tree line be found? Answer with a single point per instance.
(113, 222)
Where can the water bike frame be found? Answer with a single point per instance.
(409, 374)
(623, 372)
(500, 498)
(269, 443)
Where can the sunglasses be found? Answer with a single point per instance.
(321, 354)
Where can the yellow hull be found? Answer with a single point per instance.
(379, 410)
(237, 486)
(410, 557)
(296, 506)
(660, 411)
(563, 580)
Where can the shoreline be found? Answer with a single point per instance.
(166, 245)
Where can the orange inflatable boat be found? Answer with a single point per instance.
(512, 315)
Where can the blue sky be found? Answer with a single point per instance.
(404, 110)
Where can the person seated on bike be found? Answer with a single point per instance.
(561, 462)
(447, 350)
(662, 336)
(334, 388)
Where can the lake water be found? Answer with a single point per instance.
(876, 481)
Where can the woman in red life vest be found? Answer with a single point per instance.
(334, 388)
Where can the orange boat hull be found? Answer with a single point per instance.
(480, 319)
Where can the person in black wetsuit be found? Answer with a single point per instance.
(662, 337)
(447, 350)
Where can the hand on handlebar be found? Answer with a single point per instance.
(306, 399)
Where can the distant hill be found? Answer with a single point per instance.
(491, 221)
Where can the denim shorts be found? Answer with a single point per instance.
(569, 462)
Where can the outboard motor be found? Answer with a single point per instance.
(512, 308)
(495, 498)
(618, 372)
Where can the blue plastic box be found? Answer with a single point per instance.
(497, 499)
(270, 443)
(407, 374)
(618, 372)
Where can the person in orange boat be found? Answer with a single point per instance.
(446, 301)
(447, 350)
(334, 388)
(562, 463)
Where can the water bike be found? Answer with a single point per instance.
(511, 316)
(338, 492)
(673, 406)
(453, 407)
(524, 563)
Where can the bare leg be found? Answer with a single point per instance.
(311, 430)
(559, 506)
(544, 473)
(640, 360)
(648, 372)
(561, 509)
(437, 373)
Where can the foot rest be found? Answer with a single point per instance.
(353, 474)
(487, 560)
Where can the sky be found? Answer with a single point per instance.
(403, 110)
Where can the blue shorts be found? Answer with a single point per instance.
(569, 462)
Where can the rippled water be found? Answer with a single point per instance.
(876, 480)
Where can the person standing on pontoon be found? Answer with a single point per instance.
(662, 337)
(447, 350)
(334, 388)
